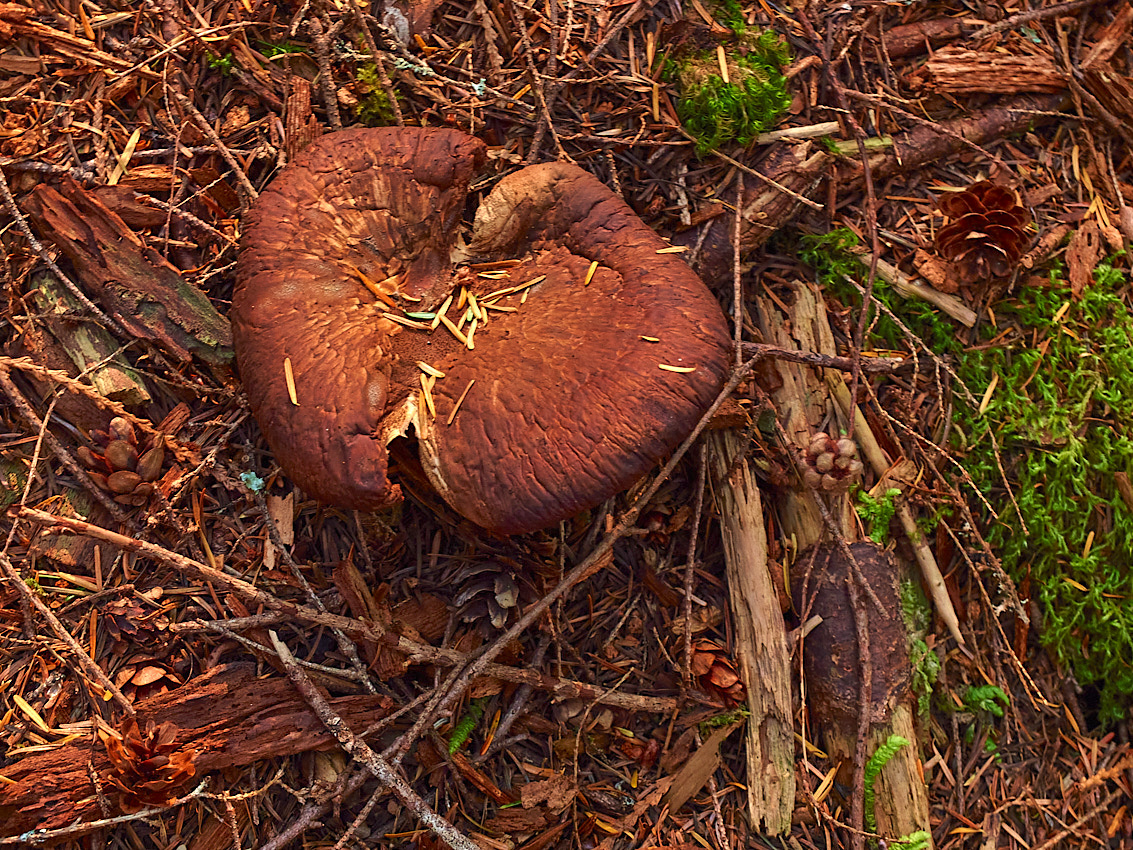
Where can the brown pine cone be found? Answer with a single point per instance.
(715, 672)
(148, 768)
(986, 232)
(486, 592)
(119, 464)
(831, 464)
(126, 620)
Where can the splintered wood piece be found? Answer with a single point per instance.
(760, 638)
(131, 281)
(228, 716)
(960, 71)
(803, 399)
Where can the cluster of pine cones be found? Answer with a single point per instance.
(122, 465)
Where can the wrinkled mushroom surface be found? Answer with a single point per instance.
(559, 400)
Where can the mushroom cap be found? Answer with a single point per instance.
(563, 399)
(571, 403)
(375, 201)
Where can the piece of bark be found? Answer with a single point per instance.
(302, 127)
(699, 769)
(90, 346)
(131, 281)
(803, 400)
(957, 70)
(1082, 256)
(41, 347)
(1110, 39)
(832, 662)
(228, 716)
(914, 39)
(132, 209)
(760, 637)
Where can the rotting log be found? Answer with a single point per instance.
(803, 401)
(797, 167)
(228, 716)
(760, 636)
(132, 282)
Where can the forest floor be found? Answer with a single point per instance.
(1002, 409)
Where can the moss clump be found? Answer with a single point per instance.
(1063, 414)
(716, 113)
(373, 109)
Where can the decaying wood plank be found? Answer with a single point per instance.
(804, 403)
(228, 715)
(88, 345)
(760, 637)
(134, 283)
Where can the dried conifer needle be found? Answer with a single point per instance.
(409, 323)
(289, 377)
(437, 319)
(427, 394)
(590, 273)
(453, 329)
(459, 402)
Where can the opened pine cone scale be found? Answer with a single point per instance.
(986, 233)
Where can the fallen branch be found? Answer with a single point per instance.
(357, 749)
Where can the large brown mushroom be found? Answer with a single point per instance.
(575, 350)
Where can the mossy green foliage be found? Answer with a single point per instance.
(224, 63)
(878, 513)
(716, 113)
(373, 109)
(877, 761)
(986, 699)
(919, 840)
(462, 730)
(731, 14)
(272, 49)
(926, 667)
(1062, 412)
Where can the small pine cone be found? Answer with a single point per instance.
(986, 232)
(487, 592)
(147, 768)
(831, 464)
(117, 462)
(715, 672)
(126, 620)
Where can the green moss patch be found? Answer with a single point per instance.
(715, 112)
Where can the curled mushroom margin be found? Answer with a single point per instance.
(543, 366)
